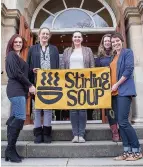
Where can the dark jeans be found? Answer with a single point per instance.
(112, 117)
(78, 120)
(121, 106)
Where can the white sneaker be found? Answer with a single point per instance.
(75, 139)
(81, 139)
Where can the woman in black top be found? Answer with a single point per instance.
(17, 90)
(42, 56)
(103, 60)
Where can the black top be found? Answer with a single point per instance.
(103, 61)
(34, 58)
(17, 72)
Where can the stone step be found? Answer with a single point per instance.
(66, 149)
(94, 132)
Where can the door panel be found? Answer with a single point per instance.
(25, 32)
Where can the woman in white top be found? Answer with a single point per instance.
(77, 57)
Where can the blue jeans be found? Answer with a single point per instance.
(78, 120)
(18, 107)
(121, 106)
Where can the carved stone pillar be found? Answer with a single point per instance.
(134, 31)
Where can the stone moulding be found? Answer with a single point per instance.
(10, 13)
(140, 7)
(132, 12)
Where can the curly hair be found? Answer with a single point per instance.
(101, 48)
(11, 42)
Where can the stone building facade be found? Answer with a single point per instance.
(103, 16)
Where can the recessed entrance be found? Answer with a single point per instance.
(63, 41)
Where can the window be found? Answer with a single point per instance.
(74, 18)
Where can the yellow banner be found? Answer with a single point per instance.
(73, 89)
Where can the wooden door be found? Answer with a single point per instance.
(25, 32)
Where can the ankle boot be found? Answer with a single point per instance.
(38, 135)
(115, 133)
(14, 127)
(47, 134)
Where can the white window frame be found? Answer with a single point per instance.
(103, 2)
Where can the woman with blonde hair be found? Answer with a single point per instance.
(42, 56)
(103, 60)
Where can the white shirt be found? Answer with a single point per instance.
(76, 59)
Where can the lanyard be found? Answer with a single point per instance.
(44, 52)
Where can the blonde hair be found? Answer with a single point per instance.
(101, 48)
(42, 29)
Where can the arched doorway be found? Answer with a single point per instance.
(63, 17)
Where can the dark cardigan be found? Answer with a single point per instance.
(17, 72)
(34, 59)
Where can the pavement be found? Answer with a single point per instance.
(72, 162)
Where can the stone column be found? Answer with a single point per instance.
(9, 22)
(134, 31)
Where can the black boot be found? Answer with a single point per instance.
(18, 131)
(47, 134)
(14, 127)
(38, 135)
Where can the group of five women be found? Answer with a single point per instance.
(22, 79)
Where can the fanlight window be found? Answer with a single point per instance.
(66, 14)
(74, 18)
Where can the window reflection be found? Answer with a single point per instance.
(75, 18)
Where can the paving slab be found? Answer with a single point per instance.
(85, 162)
(72, 162)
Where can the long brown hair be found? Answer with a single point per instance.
(72, 41)
(101, 48)
(11, 42)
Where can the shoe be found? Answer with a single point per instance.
(134, 156)
(81, 139)
(47, 134)
(10, 154)
(13, 130)
(75, 139)
(17, 134)
(123, 156)
(115, 133)
(38, 133)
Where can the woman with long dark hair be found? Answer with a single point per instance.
(17, 89)
(78, 57)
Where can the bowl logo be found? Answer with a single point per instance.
(51, 90)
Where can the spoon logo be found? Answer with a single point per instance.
(52, 93)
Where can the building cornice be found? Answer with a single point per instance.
(140, 7)
(131, 12)
(10, 13)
